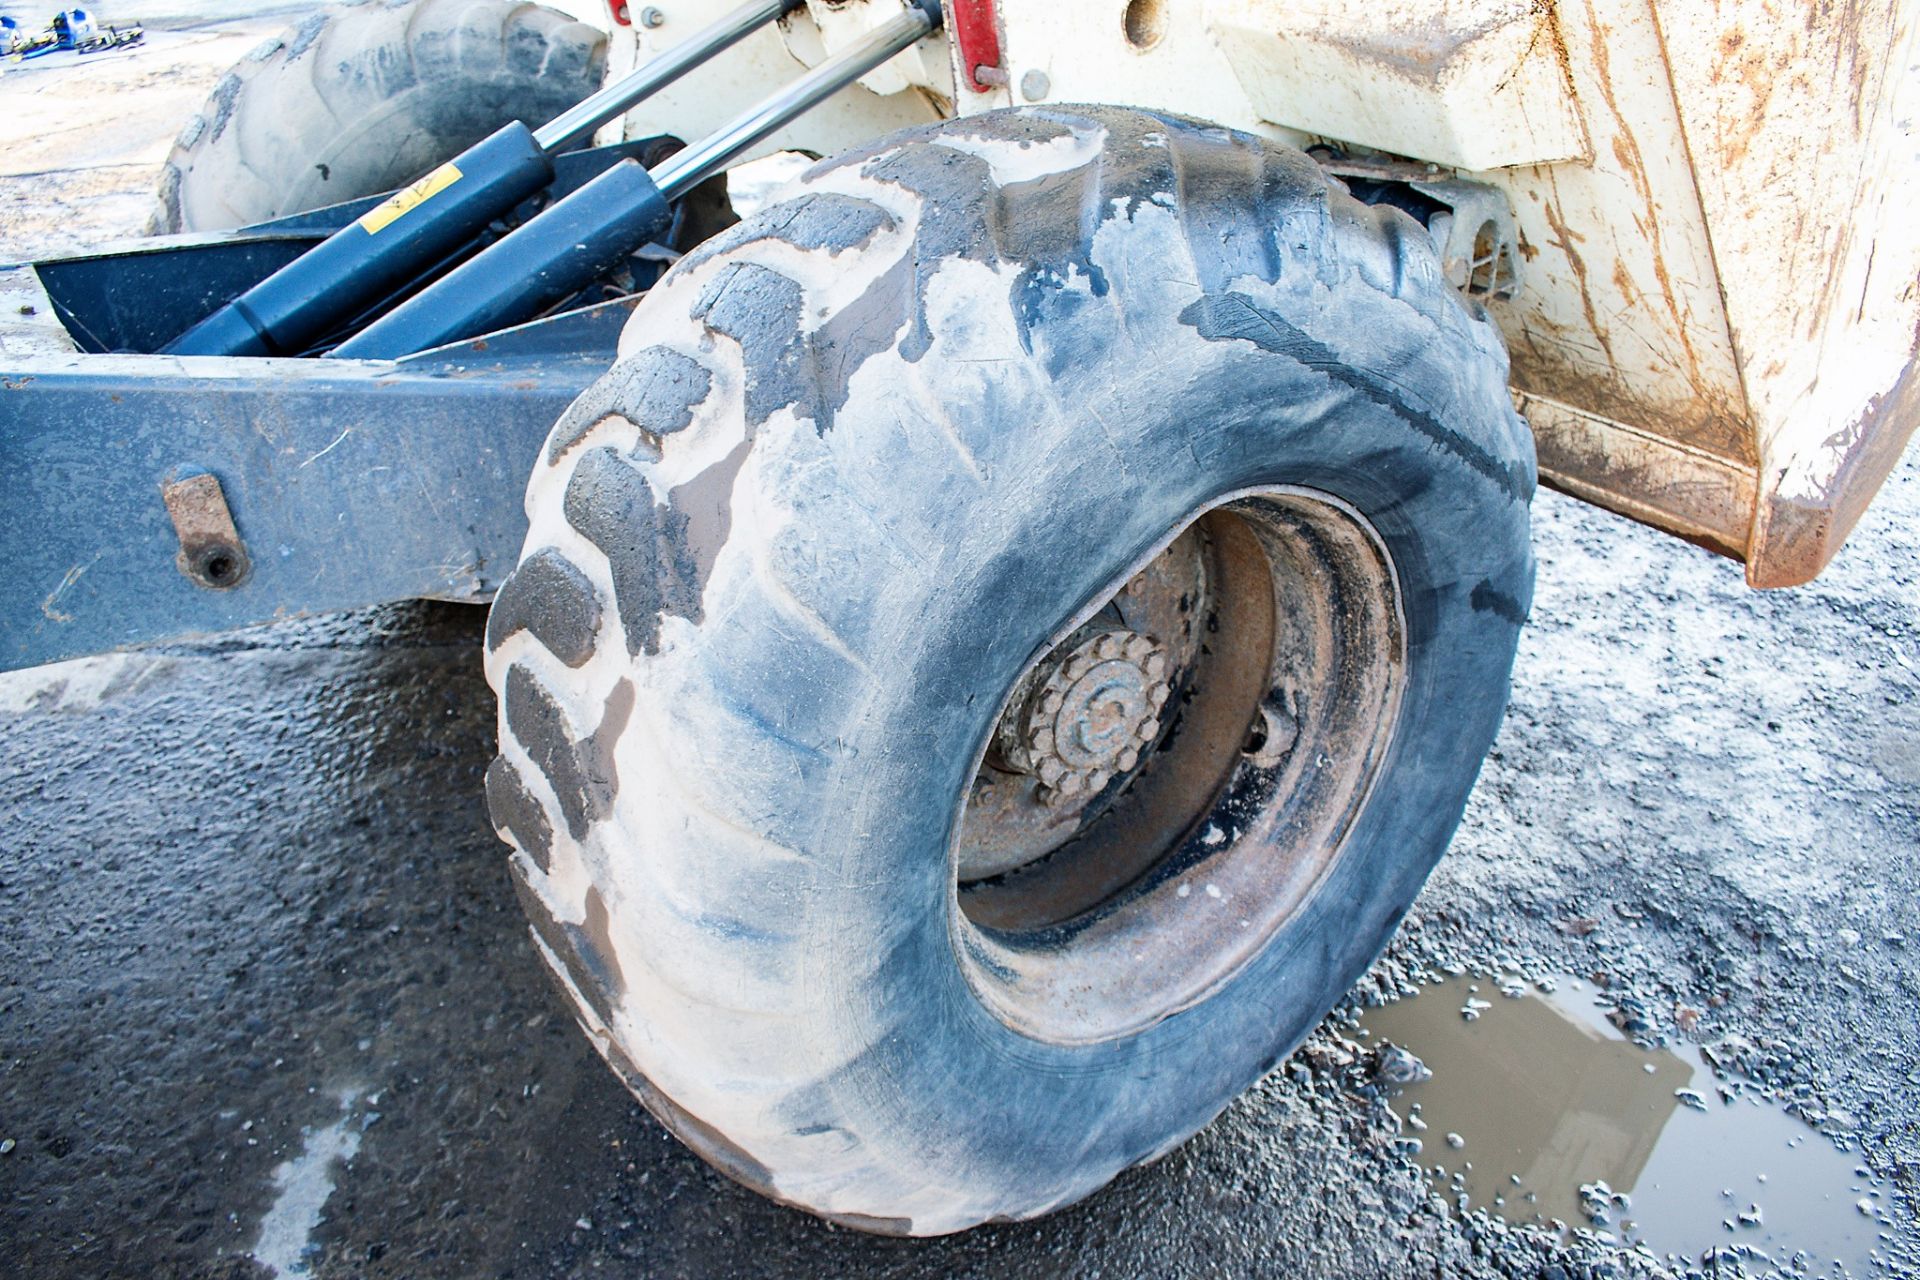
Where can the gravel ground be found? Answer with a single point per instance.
(265, 997)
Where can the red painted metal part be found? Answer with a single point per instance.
(976, 29)
(618, 10)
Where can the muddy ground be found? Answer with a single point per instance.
(266, 999)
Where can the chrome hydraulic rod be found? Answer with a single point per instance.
(581, 238)
(686, 169)
(382, 254)
(578, 121)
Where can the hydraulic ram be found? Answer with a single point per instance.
(374, 258)
(581, 238)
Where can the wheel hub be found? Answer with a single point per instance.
(1091, 707)
(1166, 786)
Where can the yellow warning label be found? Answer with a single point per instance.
(384, 215)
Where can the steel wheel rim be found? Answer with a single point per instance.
(1284, 679)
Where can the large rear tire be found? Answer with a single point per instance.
(999, 653)
(365, 98)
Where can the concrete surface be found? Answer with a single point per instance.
(86, 135)
(266, 1004)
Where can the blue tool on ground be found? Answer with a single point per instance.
(74, 29)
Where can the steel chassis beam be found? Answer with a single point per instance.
(344, 482)
(349, 482)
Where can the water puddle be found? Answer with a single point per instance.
(1538, 1109)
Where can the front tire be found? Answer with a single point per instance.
(909, 458)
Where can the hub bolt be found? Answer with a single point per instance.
(1089, 710)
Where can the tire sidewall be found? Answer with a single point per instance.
(1054, 1120)
(914, 526)
(1121, 423)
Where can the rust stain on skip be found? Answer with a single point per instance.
(1564, 236)
(1626, 151)
(1740, 62)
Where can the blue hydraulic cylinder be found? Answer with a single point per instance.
(549, 259)
(376, 257)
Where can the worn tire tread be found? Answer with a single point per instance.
(804, 243)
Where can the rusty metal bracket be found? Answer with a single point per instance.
(1471, 223)
(211, 552)
(976, 33)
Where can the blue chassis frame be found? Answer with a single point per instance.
(350, 482)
